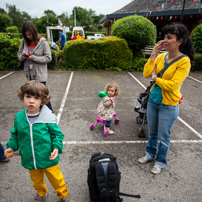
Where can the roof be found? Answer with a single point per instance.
(138, 6)
(153, 8)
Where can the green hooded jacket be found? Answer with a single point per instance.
(102, 94)
(36, 141)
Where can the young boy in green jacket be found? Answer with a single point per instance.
(39, 140)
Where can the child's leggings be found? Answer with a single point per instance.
(54, 176)
(108, 124)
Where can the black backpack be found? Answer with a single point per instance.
(104, 179)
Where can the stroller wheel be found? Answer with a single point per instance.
(116, 120)
(138, 120)
(142, 133)
(106, 133)
(92, 126)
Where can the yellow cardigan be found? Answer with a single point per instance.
(172, 79)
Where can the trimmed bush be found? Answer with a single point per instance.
(196, 37)
(8, 53)
(108, 53)
(138, 65)
(53, 63)
(137, 31)
(197, 64)
(12, 29)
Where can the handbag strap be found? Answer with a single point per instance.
(160, 74)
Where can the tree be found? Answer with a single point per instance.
(5, 21)
(83, 16)
(16, 15)
(26, 16)
(50, 18)
(137, 31)
(2, 11)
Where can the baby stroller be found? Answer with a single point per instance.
(142, 117)
(106, 133)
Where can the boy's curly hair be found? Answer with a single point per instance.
(34, 88)
(111, 85)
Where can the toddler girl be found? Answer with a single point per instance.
(107, 105)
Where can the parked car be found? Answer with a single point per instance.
(95, 36)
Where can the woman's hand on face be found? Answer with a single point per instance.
(158, 47)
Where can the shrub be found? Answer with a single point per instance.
(197, 64)
(53, 63)
(136, 30)
(12, 29)
(108, 53)
(196, 37)
(8, 52)
(138, 64)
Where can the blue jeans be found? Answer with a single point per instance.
(108, 124)
(2, 156)
(160, 119)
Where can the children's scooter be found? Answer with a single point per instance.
(106, 133)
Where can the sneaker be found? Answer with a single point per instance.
(144, 160)
(110, 131)
(40, 199)
(67, 199)
(156, 170)
(5, 160)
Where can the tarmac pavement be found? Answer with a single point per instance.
(180, 181)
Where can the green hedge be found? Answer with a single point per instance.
(197, 64)
(8, 52)
(196, 37)
(108, 53)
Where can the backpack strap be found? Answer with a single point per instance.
(101, 181)
(112, 178)
(129, 195)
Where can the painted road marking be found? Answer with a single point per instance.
(195, 79)
(186, 124)
(124, 142)
(6, 75)
(120, 142)
(64, 98)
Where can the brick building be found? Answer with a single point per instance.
(160, 12)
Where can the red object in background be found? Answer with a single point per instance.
(175, 17)
(172, 1)
(74, 37)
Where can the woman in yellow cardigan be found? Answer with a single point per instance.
(163, 104)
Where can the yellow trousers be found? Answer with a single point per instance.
(54, 176)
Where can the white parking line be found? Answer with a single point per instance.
(124, 142)
(186, 124)
(119, 142)
(6, 75)
(64, 97)
(195, 79)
